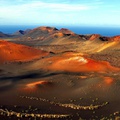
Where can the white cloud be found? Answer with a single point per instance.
(57, 6)
(50, 12)
(42, 5)
(41, 11)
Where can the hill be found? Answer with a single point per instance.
(21, 32)
(3, 35)
(11, 52)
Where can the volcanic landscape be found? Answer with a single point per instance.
(52, 74)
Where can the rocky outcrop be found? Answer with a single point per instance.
(104, 38)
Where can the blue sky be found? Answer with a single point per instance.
(60, 12)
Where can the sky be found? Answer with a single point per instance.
(60, 12)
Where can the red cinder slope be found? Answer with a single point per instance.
(11, 52)
(115, 38)
(94, 36)
(79, 63)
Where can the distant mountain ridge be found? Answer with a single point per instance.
(2, 35)
(42, 33)
(21, 32)
(51, 35)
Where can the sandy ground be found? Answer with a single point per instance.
(62, 86)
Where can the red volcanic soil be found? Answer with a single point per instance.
(66, 31)
(78, 63)
(115, 38)
(34, 84)
(44, 28)
(94, 36)
(108, 80)
(59, 34)
(11, 52)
